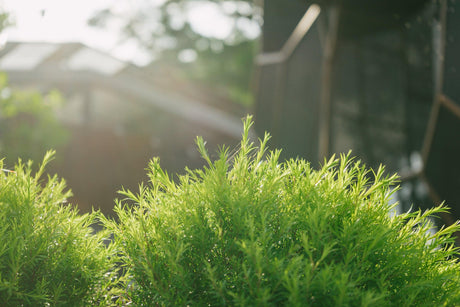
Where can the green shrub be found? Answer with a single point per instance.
(49, 255)
(257, 232)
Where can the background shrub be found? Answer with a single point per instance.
(257, 232)
(49, 255)
(28, 122)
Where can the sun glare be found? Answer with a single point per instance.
(67, 21)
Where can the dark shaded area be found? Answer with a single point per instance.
(379, 72)
(279, 83)
(361, 17)
(442, 168)
(280, 18)
(451, 76)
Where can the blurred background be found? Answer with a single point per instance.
(110, 84)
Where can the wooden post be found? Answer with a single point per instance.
(326, 82)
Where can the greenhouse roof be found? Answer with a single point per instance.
(29, 56)
(78, 66)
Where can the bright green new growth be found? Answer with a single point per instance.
(257, 232)
(49, 255)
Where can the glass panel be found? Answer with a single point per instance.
(27, 56)
(92, 60)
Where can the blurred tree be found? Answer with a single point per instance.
(28, 125)
(5, 20)
(214, 40)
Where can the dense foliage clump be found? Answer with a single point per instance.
(49, 255)
(249, 230)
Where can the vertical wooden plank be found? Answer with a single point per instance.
(326, 81)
